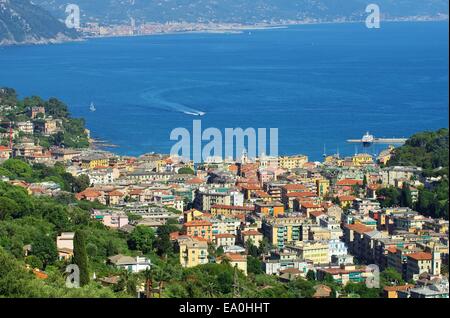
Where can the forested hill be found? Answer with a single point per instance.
(241, 11)
(23, 22)
(428, 150)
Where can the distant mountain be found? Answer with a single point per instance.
(242, 11)
(23, 22)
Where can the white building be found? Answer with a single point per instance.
(336, 248)
(132, 264)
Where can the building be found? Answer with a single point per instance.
(391, 174)
(193, 252)
(26, 127)
(64, 244)
(111, 219)
(280, 261)
(422, 262)
(362, 159)
(343, 274)
(5, 153)
(229, 210)
(323, 187)
(393, 291)
(282, 231)
(224, 239)
(94, 161)
(270, 209)
(314, 251)
(206, 199)
(236, 260)
(252, 235)
(36, 110)
(131, 264)
(199, 228)
(292, 162)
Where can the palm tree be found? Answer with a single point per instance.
(148, 282)
(161, 275)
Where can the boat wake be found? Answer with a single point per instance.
(156, 99)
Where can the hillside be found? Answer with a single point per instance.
(428, 150)
(241, 11)
(23, 22)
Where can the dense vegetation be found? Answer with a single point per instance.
(242, 11)
(16, 169)
(22, 22)
(430, 151)
(36, 221)
(73, 131)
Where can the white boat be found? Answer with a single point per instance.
(367, 139)
(92, 107)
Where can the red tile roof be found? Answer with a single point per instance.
(197, 223)
(232, 207)
(292, 187)
(359, 228)
(347, 198)
(224, 235)
(349, 182)
(250, 233)
(421, 256)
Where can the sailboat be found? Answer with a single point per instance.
(92, 107)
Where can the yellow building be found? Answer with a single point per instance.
(362, 159)
(193, 252)
(93, 162)
(292, 162)
(282, 231)
(385, 155)
(236, 260)
(315, 251)
(230, 210)
(191, 215)
(323, 187)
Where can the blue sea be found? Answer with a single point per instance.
(318, 84)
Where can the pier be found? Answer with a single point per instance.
(368, 139)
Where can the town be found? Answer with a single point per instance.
(280, 219)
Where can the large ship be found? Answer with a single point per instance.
(367, 139)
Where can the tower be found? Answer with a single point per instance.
(436, 261)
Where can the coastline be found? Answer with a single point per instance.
(239, 29)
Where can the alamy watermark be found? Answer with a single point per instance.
(73, 279)
(374, 17)
(373, 276)
(73, 18)
(237, 142)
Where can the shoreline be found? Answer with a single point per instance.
(232, 30)
(256, 27)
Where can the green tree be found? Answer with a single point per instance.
(82, 183)
(186, 170)
(141, 239)
(18, 168)
(8, 208)
(80, 257)
(405, 197)
(388, 197)
(390, 276)
(44, 248)
(254, 265)
(311, 275)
